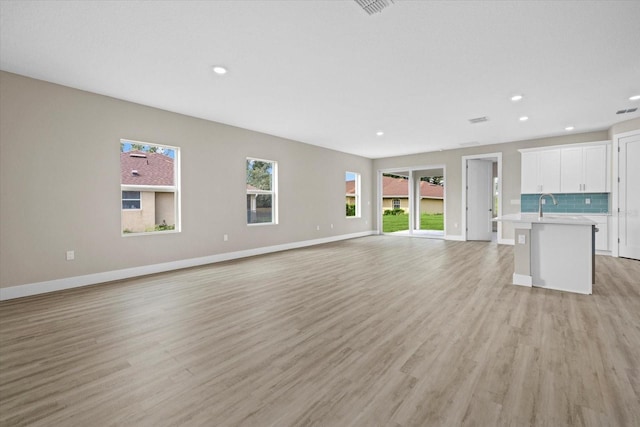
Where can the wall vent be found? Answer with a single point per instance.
(374, 6)
(630, 110)
(479, 120)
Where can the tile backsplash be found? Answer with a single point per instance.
(567, 203)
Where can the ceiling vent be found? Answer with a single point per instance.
(478, 120)
(374, 6)
(630, 110)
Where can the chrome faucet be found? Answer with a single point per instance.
(555, 202)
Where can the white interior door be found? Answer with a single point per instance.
(629, 197)
(479, 199)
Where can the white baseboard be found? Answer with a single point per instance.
(108, 276)
(522, 280)
(511, 242)
(457, 237)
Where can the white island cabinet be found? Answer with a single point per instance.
(553, 252)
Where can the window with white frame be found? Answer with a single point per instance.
(352, 183)
(396, 203)
(262, 185)
(130, 200)
(150, 187)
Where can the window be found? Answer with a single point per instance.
(352, 181)
(130, 200)
(149, 184)
(261, 191)
(396, 203)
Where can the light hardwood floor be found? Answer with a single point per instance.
(377, 331)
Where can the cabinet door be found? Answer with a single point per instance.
(595, 169)
(571, 165)
(549, 171)
(529, 173)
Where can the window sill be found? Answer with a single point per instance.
(148, 233)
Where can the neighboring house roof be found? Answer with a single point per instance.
(142, 168)
(398, 187)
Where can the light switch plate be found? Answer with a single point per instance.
(522, 239)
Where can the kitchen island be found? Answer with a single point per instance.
(554, 251)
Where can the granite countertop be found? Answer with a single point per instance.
(532, 218)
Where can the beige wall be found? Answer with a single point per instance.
(154, 208)
(139, 220)
(165, 210)
(431, 206)
(387, 203)
(60, 185)
(627, 126)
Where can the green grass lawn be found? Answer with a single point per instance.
(391, 223)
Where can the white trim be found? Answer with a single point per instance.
(464, 189)
(456, 237)
(154, 188)
(108, 276)
(522, 280)
(573, 291)
(614, 231)
(511, 242)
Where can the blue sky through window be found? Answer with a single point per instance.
(127, 146)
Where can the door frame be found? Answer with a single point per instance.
(411, 170)
(463, 221)
(614, 232)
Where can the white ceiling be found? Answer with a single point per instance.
(326, 73)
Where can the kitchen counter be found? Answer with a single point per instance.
(532, 218)
(553, 252)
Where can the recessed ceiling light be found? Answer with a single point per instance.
(524, 118)
(569, 128)
(634, 98)
(219, 70)
(379, 133)
(516, 98)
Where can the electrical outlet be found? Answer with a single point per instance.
(522, 239)
(317, 227)
(587, 201)
(225, 237)
(332, 226)
(71, 255)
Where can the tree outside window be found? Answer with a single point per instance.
(261, 191)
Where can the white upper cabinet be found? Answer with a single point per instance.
(540, 172)
(584, 169)
(576, 168)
